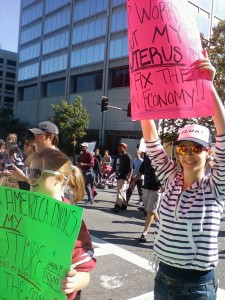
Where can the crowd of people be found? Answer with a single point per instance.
(41, 167)
(185, 196)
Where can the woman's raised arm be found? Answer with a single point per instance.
(149, 130)
(219, 111)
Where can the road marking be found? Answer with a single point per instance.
(101, 252)
(105, 248)
(122, 253)
(111, 282)
(148, 296)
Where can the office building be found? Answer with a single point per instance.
(79, 47)
(8, 65)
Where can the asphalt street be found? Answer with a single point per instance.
(124, 270)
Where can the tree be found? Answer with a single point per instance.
(169, 128)
(72, 119)
(10, 124)
(216, 51)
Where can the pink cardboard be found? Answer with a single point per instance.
(164, 42)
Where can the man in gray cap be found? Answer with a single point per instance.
(45, 136)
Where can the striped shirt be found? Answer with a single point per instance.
(187, 230)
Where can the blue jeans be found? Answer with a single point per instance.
(167, 288)
(89, 183)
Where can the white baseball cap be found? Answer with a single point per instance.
(195, 133)
(84, 145)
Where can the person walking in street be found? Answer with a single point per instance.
(151, 195)
(138, 182)
(186, 239)
(123, 167)
(97, 166)
(86, 163)
(98, 156)
(107, 158)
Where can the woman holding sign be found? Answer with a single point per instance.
(48, 172)
(186, 243)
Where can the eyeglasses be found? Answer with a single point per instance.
(35, 173)
(182, 150)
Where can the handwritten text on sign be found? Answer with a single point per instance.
(37, 237)
(163, 44)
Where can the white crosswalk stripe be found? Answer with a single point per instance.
(104, 248)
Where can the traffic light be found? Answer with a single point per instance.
(129, 110)
(104, 104)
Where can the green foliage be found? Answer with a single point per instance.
(72, 119)
(9, 124)
(169, 128)
(216, 51)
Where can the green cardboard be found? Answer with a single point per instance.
(37, 237)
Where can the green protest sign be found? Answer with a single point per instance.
(37, 237)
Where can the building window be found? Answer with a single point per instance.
(120, 77)
(118, 2)
(28, 93)
(87, 8)
(8, 102)
(9, 89)
(89, 29)
(1, 60)
(56, 21)
(27, 2)
(204, 22)
(28, 72)
(53, 5)
(10, 75)
(88, 54)
(56, 42)
(88, 82)
(119, 19)
(32, 14)
(1, 73)
(54, 88)
(30, 52)
(219, 9)
(11, 62)
(118, 46)
(30, 33)
(205, 4)
(54, 64)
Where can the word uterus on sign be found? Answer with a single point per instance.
(164, 51)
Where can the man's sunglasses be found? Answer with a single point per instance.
(35, 173)
(182, 150)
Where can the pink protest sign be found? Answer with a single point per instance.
(164, 43)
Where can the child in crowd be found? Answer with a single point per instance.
(13, 159)
(28, 148)
(48, 172)
(186, 244)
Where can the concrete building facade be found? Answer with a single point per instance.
(79, 47)
(8, 67)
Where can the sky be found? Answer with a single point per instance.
(9, 24)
